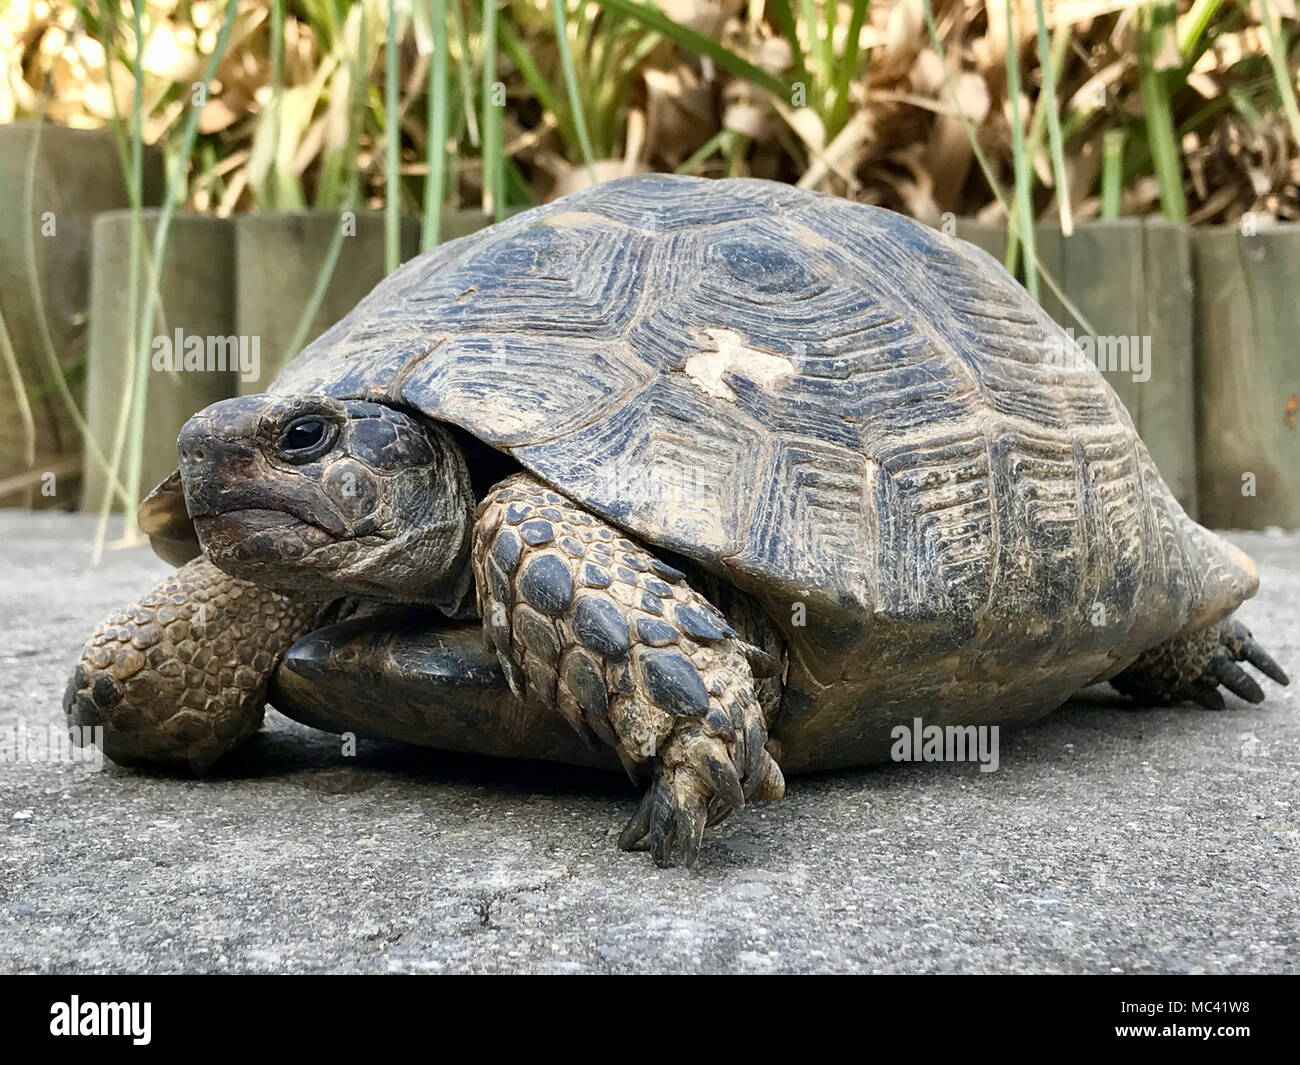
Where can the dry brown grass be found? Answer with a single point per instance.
(651, 104)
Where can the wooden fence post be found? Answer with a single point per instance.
(279, 258)
(1248, 375)
(75, 174)
(196, 289)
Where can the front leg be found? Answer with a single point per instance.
(587, 622)
(179, 677)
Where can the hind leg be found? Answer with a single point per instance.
(1193, 667)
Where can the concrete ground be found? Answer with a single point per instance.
(1110, 840)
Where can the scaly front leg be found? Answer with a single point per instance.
(179, 677)
(591, 624)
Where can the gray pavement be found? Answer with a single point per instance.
(1110, 840)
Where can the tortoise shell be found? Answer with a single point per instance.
(855, 419)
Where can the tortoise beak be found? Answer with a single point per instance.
(225, 472)
(214, 468)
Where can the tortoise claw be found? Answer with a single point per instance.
(667, 824)
(1194, 667)
(1203, 694)
(697, 787)
(771, 781)
(663, 825)
(691, 819)
(760, 662)
(633, 835)
(755, 741)
(726, 782)
(1259, 658)
(1239, 643)
(1235, 679)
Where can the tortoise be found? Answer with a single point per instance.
(713, 480)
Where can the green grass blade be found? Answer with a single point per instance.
(811, 26)
(846, 67)
(1137, 157)
(581, 27)
(436, 180)
(785, 22)
(705, 151)
(131, 158)
(277, 94)
(576, 111)
(685, 37)
(1112, 171)
(1192, 26)
(175, 183)
(492, 121)
(326, 273)
(736, 147)
(517, 185)
(135, 254)
(20, 396)
(1054, 139)
(135, 246)
(323, 278)
(647, 44)
(1061, 39)
(1165, 158)
(537, 83)
(1023, 170)
(465, 74)
(1277, 59)
(392, 146)
(830, 13)
(55, 371)
(927, 9)
(1243, 105)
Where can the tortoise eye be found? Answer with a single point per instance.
(305, 439)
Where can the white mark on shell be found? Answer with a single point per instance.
(734, 355)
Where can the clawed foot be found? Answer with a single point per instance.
(699, 779)
(1194, 668)
(1239, 646)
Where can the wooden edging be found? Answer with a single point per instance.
(193, 346)
(1248, 375)
(75, 175)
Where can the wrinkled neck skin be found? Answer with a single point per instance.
(440, 544)
(428, 562)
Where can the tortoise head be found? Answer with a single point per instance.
(315, 495)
